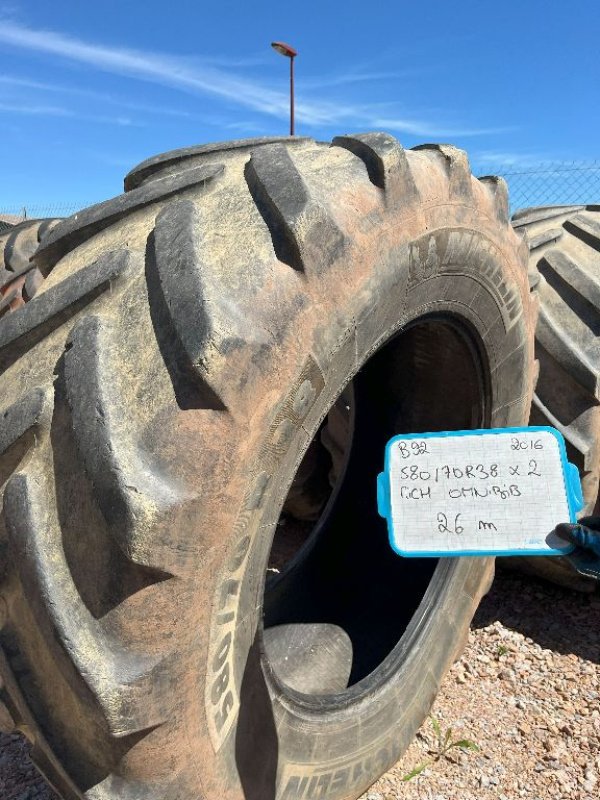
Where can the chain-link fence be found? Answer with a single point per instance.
(563, 183)
(19, 213)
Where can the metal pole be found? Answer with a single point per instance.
(291, 95)
(285, 50)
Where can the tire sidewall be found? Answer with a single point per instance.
(264, 740)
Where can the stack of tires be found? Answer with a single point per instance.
(166, 632)
(19, 277)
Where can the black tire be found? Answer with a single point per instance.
(176, 161)
(564, 244)
(158, 396)
(19, 277)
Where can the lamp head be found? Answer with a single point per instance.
(284, 49)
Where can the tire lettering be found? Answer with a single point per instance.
(220, 685)
(228, 588)
(222, 653)
(221, 693)
(295, 787)
(309, 782)
(223, 712)
(240, 554)
(340, 779)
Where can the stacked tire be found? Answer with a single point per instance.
(158, 395)
(19, 277)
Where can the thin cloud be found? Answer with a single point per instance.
(114, 160)
(493, 159)
(421, 128)
(28, 83)
(356, 77)
(231, 63)
(244, 126)
(47, 111)
(191, 76)
(155, 67)
(59, 111)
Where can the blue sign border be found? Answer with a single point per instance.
(570, 476)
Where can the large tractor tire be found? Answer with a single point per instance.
(19, 277)
(564, 244)
(158, 396)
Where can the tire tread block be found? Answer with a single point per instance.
(120, 680)
(179, 265)
(556, 340)
(586, 227)
(145, 170)
(7, 277)
(47, 311)
(584, 282)
(456, 166)
(71, 232)
(21, 245)
(528, 216)
(561, 401)
(9, 298)
(304, 235)
(131, 495)
(498, 189)
(20, 417)
(570, 431)
(552, 235)
(387, 165)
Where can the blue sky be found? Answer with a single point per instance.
(87, 90)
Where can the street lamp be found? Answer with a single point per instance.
(285, 50)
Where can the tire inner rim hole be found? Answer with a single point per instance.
(337, 599)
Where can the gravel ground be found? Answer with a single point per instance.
(526, 691)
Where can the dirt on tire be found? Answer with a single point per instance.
(158, 396)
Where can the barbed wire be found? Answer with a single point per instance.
(556, 183)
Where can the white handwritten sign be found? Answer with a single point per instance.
(490, 492)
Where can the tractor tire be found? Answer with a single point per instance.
(564, 244)
(19, 277)
(158, 396)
